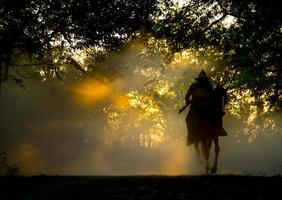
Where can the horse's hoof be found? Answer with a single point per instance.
(207, 171)
(213, 170)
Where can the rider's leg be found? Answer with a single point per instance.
(221, 131)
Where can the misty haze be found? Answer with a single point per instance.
(166, 99)
(128, 126)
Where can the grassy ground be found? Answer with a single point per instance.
(141, 187)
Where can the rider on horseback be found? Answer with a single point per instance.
(199, 95)
(204, 119)
(207, 104)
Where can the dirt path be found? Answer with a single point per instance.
(141, 187)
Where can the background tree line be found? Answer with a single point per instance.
(243, 38)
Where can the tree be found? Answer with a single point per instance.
(249, 45)
(245, 36)
(5, 168)
(36, 27)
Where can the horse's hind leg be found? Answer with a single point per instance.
(216, 151)
(198, 153)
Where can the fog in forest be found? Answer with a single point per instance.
(127, 125)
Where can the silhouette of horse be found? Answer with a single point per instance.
(205, 144)
(204, 124)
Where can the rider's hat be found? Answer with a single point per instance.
(202, 75)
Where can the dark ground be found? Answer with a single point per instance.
(141, 187)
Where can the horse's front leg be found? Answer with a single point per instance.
(216, 151)
(206, 146)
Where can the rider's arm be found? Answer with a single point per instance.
(189, 94)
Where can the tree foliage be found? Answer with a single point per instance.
(35, 27)
(243, 37)
(250, 44)
(5, 168)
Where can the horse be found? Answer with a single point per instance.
(204, 124)
(205, 150)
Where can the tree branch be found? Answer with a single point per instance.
(76, 65)
(23, 76)
(215, 22)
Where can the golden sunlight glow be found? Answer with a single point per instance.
(136, 112)
(164, 88)
(176, 160)
(242, 98)
(121, 101)
(148, 110)
(244, 107)
(91, 91)
(149, 72)
(252, 116)
(184, 59)
(28, 157)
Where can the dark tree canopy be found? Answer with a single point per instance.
(250, 45)
(33, 26)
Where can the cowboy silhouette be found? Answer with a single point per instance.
(206, 105)
(204, 119)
